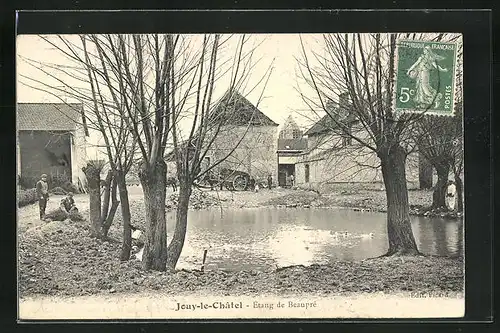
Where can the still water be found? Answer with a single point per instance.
(266, 238)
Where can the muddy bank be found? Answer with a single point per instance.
(60, 258)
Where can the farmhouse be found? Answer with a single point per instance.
(51, 139)
(333, 156)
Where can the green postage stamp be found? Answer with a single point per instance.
(425, 77)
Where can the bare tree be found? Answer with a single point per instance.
(131, 75)
(363, 65)
(440, 140)
(88, 80)
(210, 123)
(436, 140)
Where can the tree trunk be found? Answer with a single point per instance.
(177, 243)
(107, 194)
(107, 219)
(93, 176)
(125, 208)
(424, 173)
(401, 240)
(153, 181)
(439, 194)
(460, 193)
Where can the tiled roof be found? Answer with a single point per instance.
(48, 116)
(299, 144)
(326, 124)
(234, 109)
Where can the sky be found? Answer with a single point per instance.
(280, 97)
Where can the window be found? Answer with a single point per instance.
(307, 173)
(206, 162)
(346, 140)
(296, 134)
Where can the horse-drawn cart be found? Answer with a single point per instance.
(233, 180)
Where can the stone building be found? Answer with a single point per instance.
(332, 156)
(51, 139)
(246, 139)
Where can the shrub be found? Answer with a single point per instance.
(59, 181)
(26, 197)
(27, 182)
(70, 187)
(58, 191)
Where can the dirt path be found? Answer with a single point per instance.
(158, 306)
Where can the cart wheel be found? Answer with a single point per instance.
(240, 183)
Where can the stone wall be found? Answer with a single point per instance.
(256, 154)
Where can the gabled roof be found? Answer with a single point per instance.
(235, 109)
(327, 124)
(48, 116)
(299, 144)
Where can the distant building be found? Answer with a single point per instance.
(291, 144)
(290, 129)
(52, 140)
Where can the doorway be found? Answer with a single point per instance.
(284, 173)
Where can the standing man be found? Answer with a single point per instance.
(292, 178)
(269, 181)
(42, 191)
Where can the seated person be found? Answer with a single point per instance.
(68, 203)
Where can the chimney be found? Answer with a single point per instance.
(344, 103)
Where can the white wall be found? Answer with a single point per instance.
(78, 156)
(352, 163)
(288, 159)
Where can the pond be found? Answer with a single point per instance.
(267, 238)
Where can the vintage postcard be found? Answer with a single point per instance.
(228, 176)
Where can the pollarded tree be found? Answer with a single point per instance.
(137, 79)
(83, 76)
(363, 65)
(208, 121)
(439, 139)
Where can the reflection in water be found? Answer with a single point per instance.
(264, 238)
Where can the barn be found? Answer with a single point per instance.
(246, 141)
(52, 140)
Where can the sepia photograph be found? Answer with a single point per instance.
(240, 176)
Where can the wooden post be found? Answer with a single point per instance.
(204, 259)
